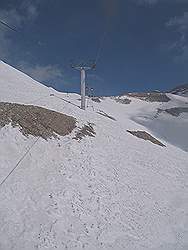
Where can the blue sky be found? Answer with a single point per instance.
(145, 46)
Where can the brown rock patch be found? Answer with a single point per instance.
(123, 101)
(36, 121)
(146, 136)
(151, 97)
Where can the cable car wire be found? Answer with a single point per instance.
(8, 26)
(100, 48)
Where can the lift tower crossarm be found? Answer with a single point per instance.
(82, 67)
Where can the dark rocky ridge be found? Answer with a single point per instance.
(150, 97)
(123, 101)
(182, 90)
(174, 111)
(96, 99)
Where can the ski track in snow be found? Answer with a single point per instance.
(113, 191)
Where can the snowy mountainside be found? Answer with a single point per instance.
(110, 191)
(164, 124)
(180, 90)
(18, 87)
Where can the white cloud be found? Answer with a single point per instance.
(180, 26)
(12, 18)
(30, 8)
(95, 78)
(16, 18)
(28, 12)
(181, 23)
(46, 73)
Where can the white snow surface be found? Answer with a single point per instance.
(113, 191)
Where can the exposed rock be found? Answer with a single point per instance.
(100, 112)
(123, 101)
(86, 130)
(151, 97)
(146, 136)
(96, 99)
(36, 121)
(174, 111)
(180, 90)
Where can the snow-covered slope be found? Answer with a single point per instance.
(180, 90)
(165, 125)
(111, 191)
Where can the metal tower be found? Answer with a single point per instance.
(83, 68)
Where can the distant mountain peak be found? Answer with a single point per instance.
(180, 90)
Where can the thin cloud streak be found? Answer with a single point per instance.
(180, 26)
(42, 73)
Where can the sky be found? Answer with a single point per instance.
(140, 45)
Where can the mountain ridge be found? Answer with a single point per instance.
(180, 90)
